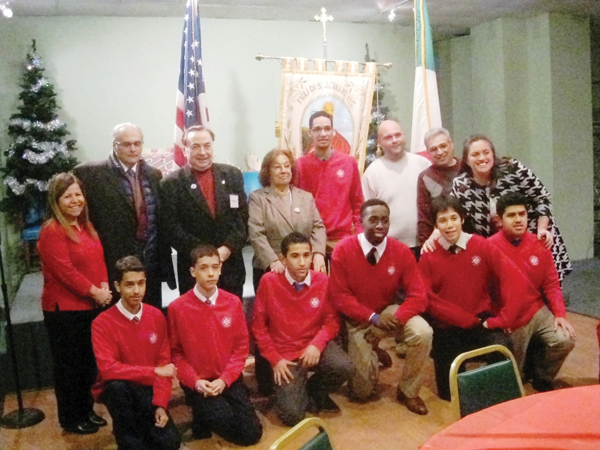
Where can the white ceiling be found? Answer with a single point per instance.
(448, 17)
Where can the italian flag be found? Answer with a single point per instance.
(426, 102)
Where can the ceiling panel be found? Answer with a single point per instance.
(448, 17)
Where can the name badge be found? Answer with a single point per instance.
(234, 201)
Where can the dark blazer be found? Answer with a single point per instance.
(189, 223)
(112, 211)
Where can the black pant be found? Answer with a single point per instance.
(292, 399)
(130, 406)
(230, 415)
(451, 342)
(75, 371)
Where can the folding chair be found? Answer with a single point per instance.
(320, 441)
(484, 386)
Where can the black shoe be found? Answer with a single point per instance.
(324, 403)
(84, 427)
(95, 419)
(542, 385)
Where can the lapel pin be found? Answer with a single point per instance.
(194, 186)
(297, 210)
(223, 182)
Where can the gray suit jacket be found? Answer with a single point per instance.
(269, 223)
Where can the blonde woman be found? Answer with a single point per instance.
(75, 288)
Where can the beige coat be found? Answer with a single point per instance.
(272, 219)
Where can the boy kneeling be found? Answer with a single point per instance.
(210, 344)
(294, 326)
(134, 365)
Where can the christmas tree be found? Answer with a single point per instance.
(378, 114)
(38, 149)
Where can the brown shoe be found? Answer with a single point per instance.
(384, 358)
(415, 405)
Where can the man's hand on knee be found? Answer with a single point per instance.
(387, 321)
(161, 417)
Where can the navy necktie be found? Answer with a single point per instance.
(299, 286)
(371, 256)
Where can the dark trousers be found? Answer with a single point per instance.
(292, 399)
(257, 274)
(451, 342)
(153, 290)
(130, 406)
(230, 415)
(75, 371)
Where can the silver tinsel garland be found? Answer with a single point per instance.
(40, 84)
(53, 125)
(46, 151)
(19, 189)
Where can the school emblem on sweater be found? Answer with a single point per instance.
(314, 302)
(476, 260)
(153, 338)
(391, 270)
(534, 260)
(226, 321)
(340, 173)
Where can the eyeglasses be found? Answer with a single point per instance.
(136, 144)
(443, 146)
(280, 168)
(319, 130)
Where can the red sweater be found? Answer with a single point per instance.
(285, 321)
(128, 351)
(208, 342)
(358, 289)
(458, 286)
(335, 185)
(536, 263)
(70, 268)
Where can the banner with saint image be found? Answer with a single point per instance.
(345, 93)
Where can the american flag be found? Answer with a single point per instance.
(191, 96)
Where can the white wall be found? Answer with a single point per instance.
(108, 70)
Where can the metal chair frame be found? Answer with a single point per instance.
(454, 394)
(296, 431)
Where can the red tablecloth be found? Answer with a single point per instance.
(566, 419)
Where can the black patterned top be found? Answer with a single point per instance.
(479, 203)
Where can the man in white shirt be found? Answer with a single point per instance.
(393, 179)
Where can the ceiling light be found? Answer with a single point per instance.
(6, 11)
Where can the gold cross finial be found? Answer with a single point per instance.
(324, 18)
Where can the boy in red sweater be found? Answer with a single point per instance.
(134, 365)
(332, 178)
(542, 322)
(209, 343)
(459, 275)
(294, 326)
(368, 273)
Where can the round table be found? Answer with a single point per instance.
(566, 419)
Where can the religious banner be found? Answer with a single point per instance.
(345, 93)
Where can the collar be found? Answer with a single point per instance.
(366, 246)
(202, 298)
(511, 241)
(461, 243)
(288, 277)
(119, 163)
(126, 313)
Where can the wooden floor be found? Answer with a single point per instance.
(379, 425)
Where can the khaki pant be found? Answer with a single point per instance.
(554, 346)
(416, 334)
